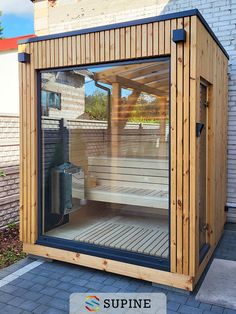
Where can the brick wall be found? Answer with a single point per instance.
(9, 164)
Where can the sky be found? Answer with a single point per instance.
(17, 17)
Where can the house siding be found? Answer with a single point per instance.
(9, 164)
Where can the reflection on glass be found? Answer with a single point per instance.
(105, 139)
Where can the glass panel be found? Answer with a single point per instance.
(105, 155)
(202, 158)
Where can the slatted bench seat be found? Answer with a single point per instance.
(132, 181)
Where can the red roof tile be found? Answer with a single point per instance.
(12, 43)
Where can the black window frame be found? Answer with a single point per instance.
(85, 248)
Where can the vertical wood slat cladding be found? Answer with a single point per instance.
(192, 155)
(173, 173)
(179, 153)
(146, 40)
(188, 64)
(186, 139)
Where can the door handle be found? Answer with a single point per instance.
(199, 128)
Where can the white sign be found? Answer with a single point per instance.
(118, 303)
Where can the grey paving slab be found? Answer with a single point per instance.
(173, 306)
(217, 309)
(9, 309)
(29, 305)
(205, 306)
(219, 284)
(41, 309)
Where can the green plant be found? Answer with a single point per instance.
(10, 256)
(11, 225)
(96, 105)
(10, 245)
(2, 173)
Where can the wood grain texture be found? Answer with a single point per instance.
(179, 208)
(186, 139)
(173, 202)
(134, 271)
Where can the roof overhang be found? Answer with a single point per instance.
(176, 15)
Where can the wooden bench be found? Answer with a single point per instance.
(133, 181)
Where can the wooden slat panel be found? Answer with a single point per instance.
(117, 44)
(52, 53)
(22, 204)
(186, 149)
(107, 45)
(39, 46)
(144, 40)
(44, 54)
(167, 37)
(133, 42)
(28, 216)
(161, 38)
(78, 53)
(69, 51)
(56, 53)
(149, 39)
(179, 152)
(24, 154)
(33, 149)
(48, 56)
(173, 225)
(122, 43)
(129, 162)
(192, 175)
(60, 48)
(127, 43)
(83, 49)
(97, 47)
(36, 55)
(65, 51)
(156, 38)
(101, 46)
(87, 49)
(139, 41)
(112, 44)
(74, 49)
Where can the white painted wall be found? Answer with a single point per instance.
(9, 82)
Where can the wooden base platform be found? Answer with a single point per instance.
(153, 275)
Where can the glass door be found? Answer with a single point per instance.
(105, 158)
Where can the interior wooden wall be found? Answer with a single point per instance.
(187, 64)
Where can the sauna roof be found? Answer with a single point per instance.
(176, 15)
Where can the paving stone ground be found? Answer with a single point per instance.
(47, 288)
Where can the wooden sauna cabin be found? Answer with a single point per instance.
(123, 147)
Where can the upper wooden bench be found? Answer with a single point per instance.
(133, 181)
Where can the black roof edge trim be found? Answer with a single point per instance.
(158, 18)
